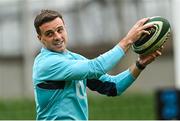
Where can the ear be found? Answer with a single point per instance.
(39, 37)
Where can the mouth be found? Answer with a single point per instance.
(59, 43)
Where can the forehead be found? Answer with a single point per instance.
(52, 24)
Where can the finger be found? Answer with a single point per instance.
(149, 25)
(141, 22)
(158, 53)
(154, 56)
(144, 20)
(145, 32)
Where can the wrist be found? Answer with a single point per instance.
(140, 66)
(125, 44)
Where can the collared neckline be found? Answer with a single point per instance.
(43, 49)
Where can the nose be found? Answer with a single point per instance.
(57, 36)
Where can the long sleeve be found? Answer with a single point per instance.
(52, 66)
(112, 85)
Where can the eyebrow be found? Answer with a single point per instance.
(61, 27)
(48, 31)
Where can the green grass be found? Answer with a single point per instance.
(17, 109)
(131, 106)
(125, 107)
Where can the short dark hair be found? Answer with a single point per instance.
(44, 17)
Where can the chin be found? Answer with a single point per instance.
(60, 50)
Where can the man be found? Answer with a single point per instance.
(60, 77)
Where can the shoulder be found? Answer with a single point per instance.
(47, 59)
(47, 63)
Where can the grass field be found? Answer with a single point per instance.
(125, 107)
(131, 106)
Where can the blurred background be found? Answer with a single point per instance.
(94, 26)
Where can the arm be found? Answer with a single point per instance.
(112, 85)
(116, 85)
(57, 67)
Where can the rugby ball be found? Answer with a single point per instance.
(159, 34)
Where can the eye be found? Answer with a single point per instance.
(49, 34)
(60, 29)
